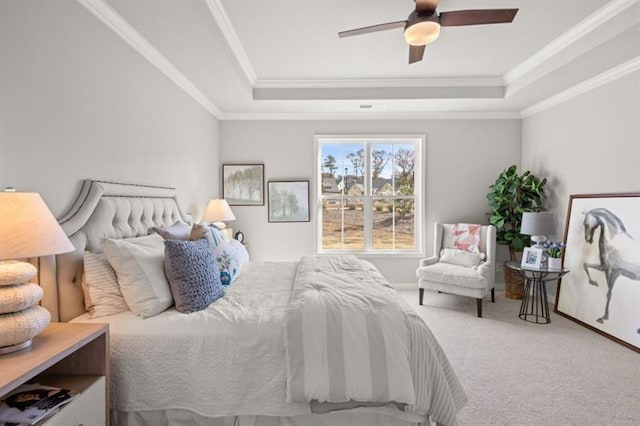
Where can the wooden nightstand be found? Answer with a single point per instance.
(72, 356)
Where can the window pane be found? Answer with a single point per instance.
(378, 173)
(381, 162)
(393, 224)
(342, 166)
(342, 224)
(404, 169)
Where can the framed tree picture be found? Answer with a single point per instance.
(602, 290)
(243, 184)
(289, 201)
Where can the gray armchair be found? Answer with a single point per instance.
(464, 275)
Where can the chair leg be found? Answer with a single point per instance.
(421, 295)
(479, 303)
(493, 295)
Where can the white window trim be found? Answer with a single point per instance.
(419, 193)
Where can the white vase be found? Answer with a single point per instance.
(555, 263)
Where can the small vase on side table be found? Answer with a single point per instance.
(555, 263)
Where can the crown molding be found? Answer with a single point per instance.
(425, 115)
(379, 82)
(591, 23)
(114, 21)
(226, 27)
(601, 79)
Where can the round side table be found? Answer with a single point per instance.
(535, 305)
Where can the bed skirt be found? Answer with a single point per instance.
(187, 418)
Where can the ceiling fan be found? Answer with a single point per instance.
(423, 24)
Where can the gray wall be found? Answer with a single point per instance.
(587, 145)
(463, 157)
(77, 102)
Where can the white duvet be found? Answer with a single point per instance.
(347, 338)
(225, 360)
(228, 359)
(351, 337)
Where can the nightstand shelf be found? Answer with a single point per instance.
(73, 356)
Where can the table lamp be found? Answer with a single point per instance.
(539, 225)
(27, 229)
(218, 212)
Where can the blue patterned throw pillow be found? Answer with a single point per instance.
(231, 256)
(193, 274)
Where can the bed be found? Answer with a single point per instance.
(276, 349)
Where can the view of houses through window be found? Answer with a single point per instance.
(368, 193)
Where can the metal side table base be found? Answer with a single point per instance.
(535, 304)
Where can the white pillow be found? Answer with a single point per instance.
(139, 265)
(102, 295)
(240, 252)
(461, 257)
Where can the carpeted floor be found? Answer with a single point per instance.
(519, 373)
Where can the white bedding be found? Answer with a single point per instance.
(351, 337)
(346, 335)
(158, 364)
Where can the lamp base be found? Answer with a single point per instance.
(21, 318)
(14, 348)
(539, 240)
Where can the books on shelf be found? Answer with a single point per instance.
(28, 404)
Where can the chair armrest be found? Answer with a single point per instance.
(429, 261)
(486, 268)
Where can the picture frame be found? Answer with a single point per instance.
(288, 201)
(243, 184)
(532, 257)
(602, 253)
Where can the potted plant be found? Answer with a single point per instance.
(554, 251)
(511, 195)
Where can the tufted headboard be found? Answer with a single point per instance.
(101, 210)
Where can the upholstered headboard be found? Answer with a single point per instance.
(102, 210)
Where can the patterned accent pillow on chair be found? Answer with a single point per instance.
(466, 236)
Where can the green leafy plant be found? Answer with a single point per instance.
(511, 195)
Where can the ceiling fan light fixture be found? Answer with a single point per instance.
(422, 33)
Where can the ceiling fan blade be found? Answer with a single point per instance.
(477, 17)
(426, 6)
(372, 28)
(416, 53)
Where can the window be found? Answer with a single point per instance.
(368, 194)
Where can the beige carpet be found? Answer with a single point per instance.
(519, 373)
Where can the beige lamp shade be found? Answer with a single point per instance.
(218, 210)
(28, 229)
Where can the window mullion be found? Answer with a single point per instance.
(367, 204)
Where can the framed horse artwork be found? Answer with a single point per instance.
(602, 292)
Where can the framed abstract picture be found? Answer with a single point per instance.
(602, 289)
(531, 257)
(243, 184)
(288, 201)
